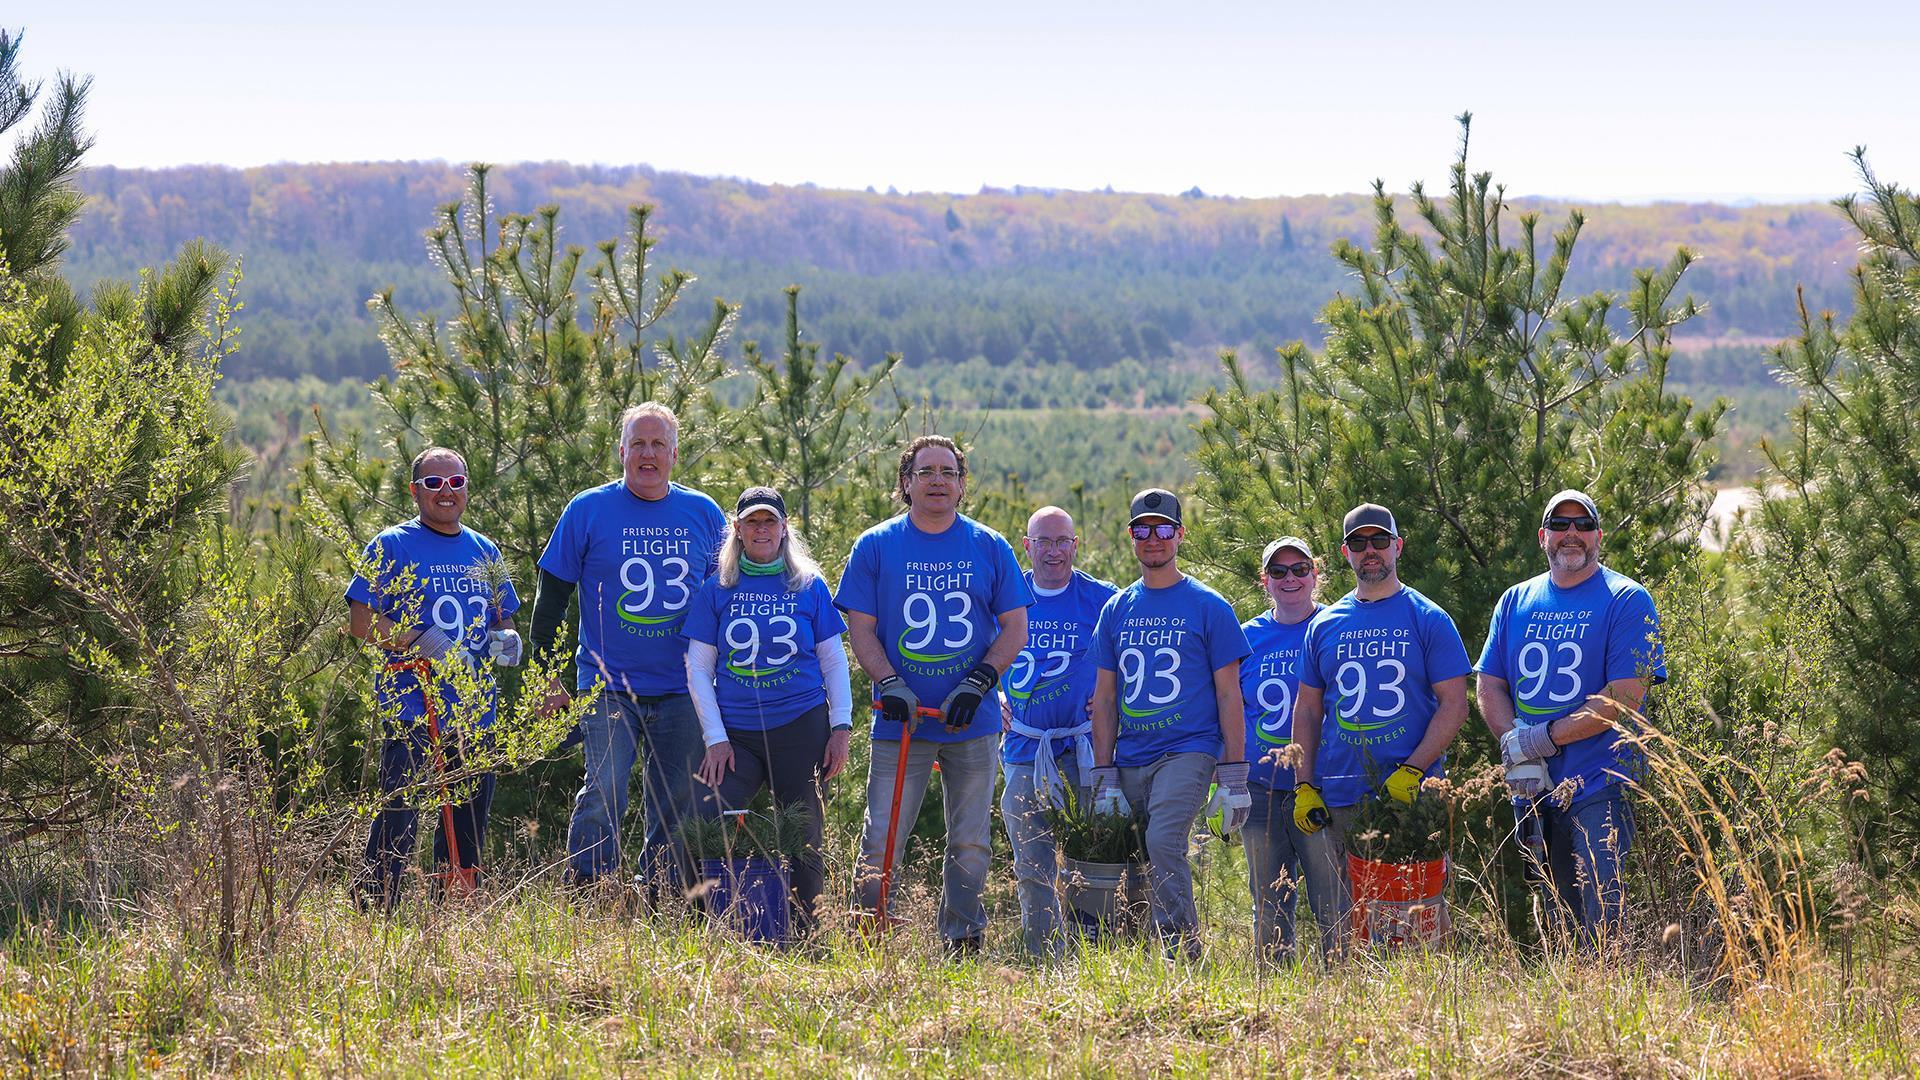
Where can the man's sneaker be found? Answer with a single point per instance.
(961, 948)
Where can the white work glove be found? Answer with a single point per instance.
(1527, 742)
(506, 648)
(1231, 801)
(1526, 777)
(1104, 783)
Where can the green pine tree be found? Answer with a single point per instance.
(1460, 387)
(55, 716)
(1851, 473)
(518, 382)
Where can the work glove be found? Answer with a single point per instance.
(432, 643)
(964, 700)
(1310, 813)
(1527, 742)
(1230, 803)
(1403, 784)
(1104, 783)
(1528, 779)
(506, 648)
(898, 702)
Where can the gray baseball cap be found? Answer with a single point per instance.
(1154, 502)
(1285, 542)
(1368, 514)
(1569, 495)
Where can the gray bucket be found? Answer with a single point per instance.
(1092, 888)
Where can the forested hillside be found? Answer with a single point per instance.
(1080, 278)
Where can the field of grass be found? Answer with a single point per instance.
(536, 983)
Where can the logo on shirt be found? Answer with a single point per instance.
(655, 567)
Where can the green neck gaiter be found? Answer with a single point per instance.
(756, 569)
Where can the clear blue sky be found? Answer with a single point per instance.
(1626, 100)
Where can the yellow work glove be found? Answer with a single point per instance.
(1310, 813)
(1404, 784)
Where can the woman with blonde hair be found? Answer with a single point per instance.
(769, 678)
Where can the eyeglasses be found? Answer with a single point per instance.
(1377, 541)
(1584, 523)
(1299, 569)
(928, 472)
(1158, 532)
(456, 482)
(1053, 543)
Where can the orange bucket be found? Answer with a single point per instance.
(1398, 903)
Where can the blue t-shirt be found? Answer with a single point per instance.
(1269, 681)
(1164, 646)
(1557, 647)
(638, 563)
(937, 598)
(425, 578)
(768, 674)
(1377, 661)
(1052, 678)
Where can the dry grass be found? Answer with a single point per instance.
(538, 986)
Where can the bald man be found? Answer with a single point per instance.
(1044, 699)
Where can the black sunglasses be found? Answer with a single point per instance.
(1280, 570)
(1583, 523)
(1160, 532)
(1378, 541)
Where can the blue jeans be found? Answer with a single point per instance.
(615, 732)
(1277, 852)
(1171, 791)
(1586, 845)
(1036, 858)
(967, 770)
(405, 764)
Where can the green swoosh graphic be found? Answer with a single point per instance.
(1275, 740)
(621, 607)
(1348, 725)
(1022, 695)
(1531, 711)
(922, 658)
(1141, 715)
(754, 673)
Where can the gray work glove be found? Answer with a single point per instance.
(1103, 782)
(898, 702)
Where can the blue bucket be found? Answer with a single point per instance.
(749, 896)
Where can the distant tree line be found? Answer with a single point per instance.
(1012, 277)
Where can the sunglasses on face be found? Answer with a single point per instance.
(1378, 542)
(1280, 570)
(1157, 532)
(1584, 523)
(456, 482)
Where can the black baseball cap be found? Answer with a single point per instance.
(1368, 514)
(1154, 502)
(760, 498)
(1569, 495)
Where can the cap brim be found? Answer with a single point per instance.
(767, 506)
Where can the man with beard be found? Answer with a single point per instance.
(1568, 660)
(1397, 670)
(1167, 713)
